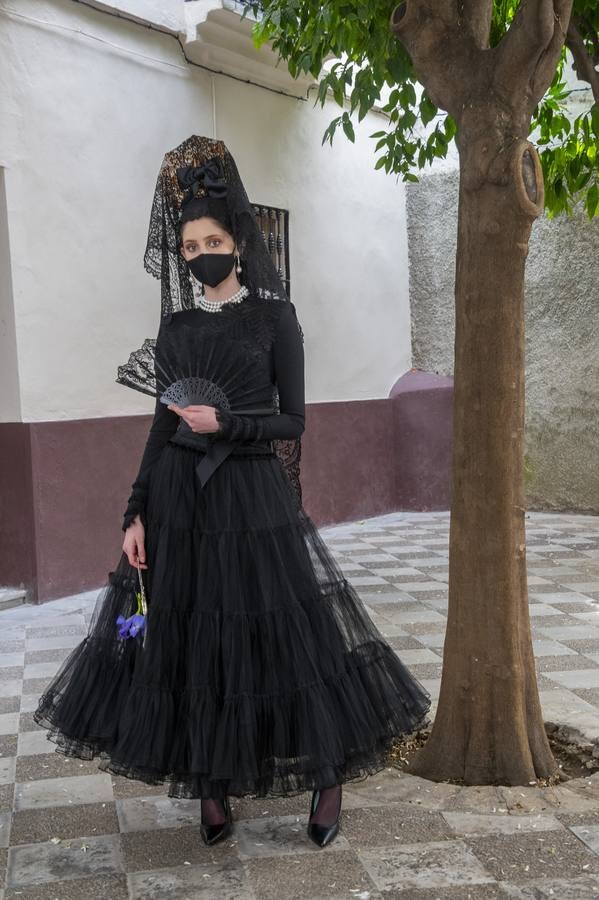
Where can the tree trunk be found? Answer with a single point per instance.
(489, 725)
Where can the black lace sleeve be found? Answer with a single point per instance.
(163, 426)
(288, 359)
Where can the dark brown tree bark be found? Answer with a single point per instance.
(489, 726)
(584, 61)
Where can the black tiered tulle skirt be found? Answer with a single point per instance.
(261, 671)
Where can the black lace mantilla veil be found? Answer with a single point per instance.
(162, 259)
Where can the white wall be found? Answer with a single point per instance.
(10, 395)
(83, 129)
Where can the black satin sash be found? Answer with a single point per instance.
(216, 451)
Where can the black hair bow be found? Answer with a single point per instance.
(210, 175)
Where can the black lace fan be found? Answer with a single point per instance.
(226, 383)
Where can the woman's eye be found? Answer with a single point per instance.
(215, 241)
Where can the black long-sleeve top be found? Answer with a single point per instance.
(261, 342)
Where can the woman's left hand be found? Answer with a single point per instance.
(201, 419)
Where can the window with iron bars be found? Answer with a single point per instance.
(274, 227)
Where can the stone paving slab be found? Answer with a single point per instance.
(437, 864)
(69, 831)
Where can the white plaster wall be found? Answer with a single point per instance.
(10, 395)
(165, 13)
(349, 268)
(83, 128)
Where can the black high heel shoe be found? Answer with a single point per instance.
(211, 834)
(323, 834)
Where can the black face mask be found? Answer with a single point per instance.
(212, 268)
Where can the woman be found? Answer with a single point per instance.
(258, 670)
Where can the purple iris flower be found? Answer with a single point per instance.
(132, 626)
(138, 623)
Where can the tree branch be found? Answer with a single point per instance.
(422, 21)
(528, 35)
(527, 55)
(549, 59)
(438, 48)
(475, 17)
(583, 62)
(592, 36)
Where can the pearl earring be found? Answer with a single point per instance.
(197, 286)
(238, 266)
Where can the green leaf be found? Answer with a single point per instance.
(428, 110)
(582, 181)
(305, 61)
(592, 200)
(409, 94)
(338, 93)
(349, 129)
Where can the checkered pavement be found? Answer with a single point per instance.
(70, 831)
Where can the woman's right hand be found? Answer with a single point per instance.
(134, 543)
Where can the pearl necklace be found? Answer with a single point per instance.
(217, 305)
